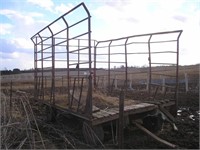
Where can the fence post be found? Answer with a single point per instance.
(163, 84)
(62, 81)
(46, 82)
(147, 83)
(104, 83)
(186, 82)
(116, 82)
(130, 83)
(11, 84)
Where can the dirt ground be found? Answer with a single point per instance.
(187, 136)
(187, 122)
(66, 132)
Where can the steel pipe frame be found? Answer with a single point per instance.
(88, 107)
(89, 100)
(149, 53)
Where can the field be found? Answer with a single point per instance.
(25, 123)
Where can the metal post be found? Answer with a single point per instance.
(94, 69)
(90, 66)
(121, 120)
(35, 69)
(67, 50)
(177, 71)
(126, 65)
(78, 60)
(149, 49)
(53, 70)
(109, 66)
(42, 65)
(147, 83)
(68, 74)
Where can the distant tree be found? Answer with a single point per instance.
(16, 70)
(122, 66)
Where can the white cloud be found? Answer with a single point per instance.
(15, 55)
(133, 17)
(22, 43)
(110, 19)
(5, 28)
(130, 17)
(62, 8)
(46, 4)
(17, 16)
(36, 14)
(16, 60)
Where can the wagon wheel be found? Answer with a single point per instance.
(93, 135)
(153, 123)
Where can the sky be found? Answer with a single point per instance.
(21, 19)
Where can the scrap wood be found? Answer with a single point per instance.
(90, 135)
(170, 118)
(167, 114)
(154, 136)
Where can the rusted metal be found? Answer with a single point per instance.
(177, 70)
(126, 64)
(87, 65)
(121, 120)
(149, 59)
(109, 66)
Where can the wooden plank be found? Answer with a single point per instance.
(162, 109)
(114, 110)
(154, 136)
(98, 115)
(95, 115)
(144, 107)
(101, 114)
(111, 112)
(105, 113)
(97, 121)
(126, 108)
(153, 102)
(95, 109)
(138, 108)
(170, 103)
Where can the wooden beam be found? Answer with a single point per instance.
(169, 116)
(154, 136)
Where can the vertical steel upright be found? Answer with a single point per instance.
(149, 59)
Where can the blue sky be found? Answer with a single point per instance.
(20, 19)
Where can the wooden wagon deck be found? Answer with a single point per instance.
(102, 116)
(106, 108)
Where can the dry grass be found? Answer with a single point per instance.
(24, 125)
(17, 121)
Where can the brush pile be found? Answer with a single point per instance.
(25, 125)
(19, 128)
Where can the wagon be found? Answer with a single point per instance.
(96, 81)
